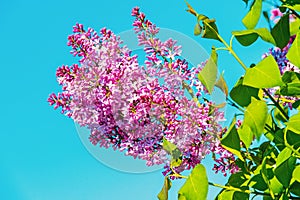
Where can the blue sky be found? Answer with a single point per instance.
(41, 155)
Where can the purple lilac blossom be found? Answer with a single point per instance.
(126, 107)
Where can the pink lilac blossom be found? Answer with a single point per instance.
(131, 108)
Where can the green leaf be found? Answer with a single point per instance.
(291, 77)
(294, 52)
(175, 153)
(163, 195)
(246, 135)
(283, 156)
(293, 139)
(225, 195)
(221, 83)
(197, 29)
(257, 182)
(285, 170)
(237, 179)
(294, 27)
(290, 89)
(292, 84)
(232, 195)
(208, 75)
(231, 140)
(275, 186)
(279, 139)
(294, 123)
(296, 104)
(293, 7)
(168, 146)
(196, 186)
(281, 31)
(279, 117)
(252, 17)
(256, 116)
(242, 94)
(248, 37)
(296, 173)
(294, 188)
(210, 29)
(265, 74)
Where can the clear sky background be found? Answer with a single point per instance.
(41, 155)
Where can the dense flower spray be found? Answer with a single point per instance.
(135, 108)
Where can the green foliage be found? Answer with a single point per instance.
(294, 52)
(221, 83)
(252, 17)
(284, 171)
(196, 186)
(296, 173)
(270, 167)
(292, 84)
(255, 118)
(281, 31)
(208, 28)
(231, 140)
(248, 37)
(294, 123)
(234, 195)
(242, 94)
(294, 188)
(172, 150)
(164, 193)
(265, 74)
(208, 75)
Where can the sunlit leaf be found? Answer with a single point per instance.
(196, 186)
(283, 156)
(294, 52)
(197, 29)
(208, 75)
(221, 83)
(252, 17)
(255, 117)
(296, 173)
(164, 193)
(265, 74)
(168, 146)
(275, 186)
(294, 123)
(293, 7)
(246, 135)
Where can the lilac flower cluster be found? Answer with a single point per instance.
(133, 108)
